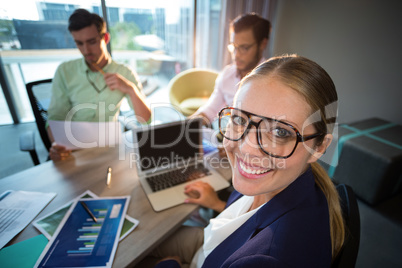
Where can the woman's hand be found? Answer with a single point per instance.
(169, 262)
(203, 194)
(58, 152)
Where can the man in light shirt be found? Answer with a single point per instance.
(95, 80)
(249, 35)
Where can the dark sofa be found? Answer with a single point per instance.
(367, 156)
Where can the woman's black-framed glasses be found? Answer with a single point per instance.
(275, 137)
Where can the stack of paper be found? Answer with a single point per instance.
(51, 225)
(88, 234)
(18, 209)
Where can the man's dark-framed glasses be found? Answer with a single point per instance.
(276, 138)
(241, 49)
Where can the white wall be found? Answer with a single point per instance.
(358, 42)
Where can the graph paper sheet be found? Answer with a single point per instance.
(79, 241)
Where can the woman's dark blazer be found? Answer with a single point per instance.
(291, 230)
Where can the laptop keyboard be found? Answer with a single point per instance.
(172, 178)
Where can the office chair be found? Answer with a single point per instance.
(350, 211)
(39, 93)
(190, 89)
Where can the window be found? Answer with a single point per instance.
(154, 36)
(35, 43)
(5, 115)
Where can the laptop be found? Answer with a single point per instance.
(168, 157)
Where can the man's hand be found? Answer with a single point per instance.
(59, 152)
(205, 120)
(116, 81)
(203, 194)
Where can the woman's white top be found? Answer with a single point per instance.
(222, 226)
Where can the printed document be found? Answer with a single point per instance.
(82, 135)
(18, 209)
(88, 235)
(48, 224)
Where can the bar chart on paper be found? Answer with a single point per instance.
(88, 236)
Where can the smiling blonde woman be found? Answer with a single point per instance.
(285, 210)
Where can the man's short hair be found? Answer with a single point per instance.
(261, 27)
(82, 18)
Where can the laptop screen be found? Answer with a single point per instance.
(164, 146)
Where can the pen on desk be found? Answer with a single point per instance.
(4, 195)
(109, 176)
(89, 212)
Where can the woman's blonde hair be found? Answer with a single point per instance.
(311, 81)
